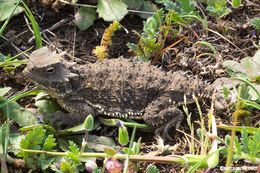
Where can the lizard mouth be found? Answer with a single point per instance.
(27, 73)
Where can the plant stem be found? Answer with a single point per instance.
(151, 159)
(129, 150)
(233, 133)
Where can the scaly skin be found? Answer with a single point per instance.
(114, 87)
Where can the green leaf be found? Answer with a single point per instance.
(15, 140)
(152, 169)
(20, 115)
(32, 140)
(7, 7)
(236, 3)
(256, 23)
(89, 123)
(45, 161)
(238, 147)
(111, 10)
(73, 158)
(147, 7)
(73, 154)
(134, 4)
(85, 18)
(152, 25)
(110, 151)
(49, 143)
(2, 57)
(4, 90)
(244, 140)
(46, 104)
(123, 137)
(247, 65)
(234, 66)
(4, 131)
(256, 62)
(100, 143)
(186, 6)
(218, 8)
(34, 24)
(254, 144)
(73, 147)
(66, 167)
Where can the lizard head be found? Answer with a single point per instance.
(47, 69)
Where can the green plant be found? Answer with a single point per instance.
(218, 8)
(248, 72)
(110, 11)
(162, 26)
(247, 147)
(9, 8)
(155, 32)
(37, 139)
(181, 6)
(35, 27)
(256, 23)
(236, 3)
(13, 7)
(9, 64)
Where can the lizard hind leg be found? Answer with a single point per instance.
(175, 117)
(163, 115)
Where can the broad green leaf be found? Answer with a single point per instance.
(169, 4)
(85, 18)
(111, 10)
(256, 23)
(252, 92)
(234, 66)
(186, 6)
(45, 161)
(152, 169)
(4, 90)
(256, 64)
(252, 66)
(147, 7)
(110, 151)
(247, 65)
(7, 7)
(2, 57)
(100, 143)
(21, 116)
(236, 3)
(134, 4)
(46, 104)
(15, 140)
(89, 123)
(123, 137)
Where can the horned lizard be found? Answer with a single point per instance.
(115, 88)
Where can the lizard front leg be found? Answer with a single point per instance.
(61, 120)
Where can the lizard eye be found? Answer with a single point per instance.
(50, 70)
